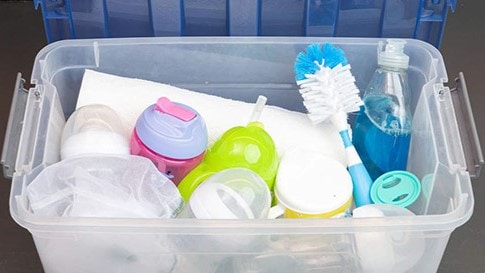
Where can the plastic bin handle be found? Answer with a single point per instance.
(467, 127)
(14, 127)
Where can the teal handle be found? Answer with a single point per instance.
(362, 184)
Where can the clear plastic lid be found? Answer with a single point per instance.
(235, 193)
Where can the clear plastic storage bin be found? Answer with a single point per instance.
(420, 19)
(444, 154)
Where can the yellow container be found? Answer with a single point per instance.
(335, 213)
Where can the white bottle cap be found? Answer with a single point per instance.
(392, 54)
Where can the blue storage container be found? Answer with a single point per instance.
(420, 19)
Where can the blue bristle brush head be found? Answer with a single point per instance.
(330, 96)
(305, 61)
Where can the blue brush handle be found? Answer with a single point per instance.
(360, 177)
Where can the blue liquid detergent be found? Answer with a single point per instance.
(382, 148)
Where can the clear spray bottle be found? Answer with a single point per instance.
(382, 129)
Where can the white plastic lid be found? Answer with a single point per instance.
(312, 183)
(392, 54)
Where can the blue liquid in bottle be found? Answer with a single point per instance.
(383, 147)
(382, 129)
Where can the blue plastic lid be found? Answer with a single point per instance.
(399, 188)
(172, 130)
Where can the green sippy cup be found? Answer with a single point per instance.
(248, 147)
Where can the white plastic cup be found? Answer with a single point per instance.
(235, 193)
(94, 129)
(311, 185)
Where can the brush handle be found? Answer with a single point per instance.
(360, 177)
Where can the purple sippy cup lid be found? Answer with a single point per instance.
(172, 130)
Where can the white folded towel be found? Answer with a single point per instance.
(289, 129)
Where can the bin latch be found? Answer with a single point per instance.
(467, 127)
(14, 127)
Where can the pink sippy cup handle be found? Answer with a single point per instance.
(164, 105)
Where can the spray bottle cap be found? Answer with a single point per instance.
(392, 54)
